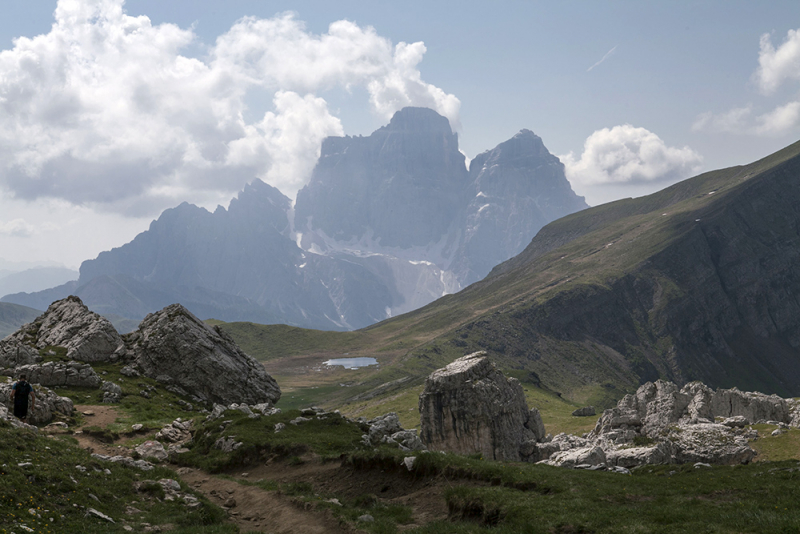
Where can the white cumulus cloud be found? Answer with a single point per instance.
(106, 110)
(776, 65)
(629, 155)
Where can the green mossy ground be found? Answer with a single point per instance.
(52, 495)
(328, 436)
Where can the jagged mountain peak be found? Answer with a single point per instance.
(386, 224)
(520, 150)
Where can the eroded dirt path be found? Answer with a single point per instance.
(100, 416)
(256, 510)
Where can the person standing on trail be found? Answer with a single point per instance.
(20, 392)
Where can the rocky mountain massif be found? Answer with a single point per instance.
(660, 424)
(699, 281)
(171, 346)
(387, 223)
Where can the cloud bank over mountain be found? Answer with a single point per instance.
(112, 111)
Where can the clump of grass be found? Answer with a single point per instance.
(331, 435)
(101, 434)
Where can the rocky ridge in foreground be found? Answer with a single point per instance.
(171, 346)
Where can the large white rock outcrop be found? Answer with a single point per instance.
(664, 424)
(657, 405)
(175, 347)
(471, 407)
(67, 323)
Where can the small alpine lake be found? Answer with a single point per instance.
(351, 363)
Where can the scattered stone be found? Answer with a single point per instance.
(56, 428)
(112, 393)
(152, 449)
(297, 420)
(409, 461)
(175, 432)
(777, 432)
(572, 458)
(366, 518)
(407, 440)
(100, 515)
(471, 407)
(227, 444)
(383, 426)
(137, 427)
(130, 371)
(279, 427)
(737, 421)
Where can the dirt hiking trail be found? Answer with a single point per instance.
(254, 509)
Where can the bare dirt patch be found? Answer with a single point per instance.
(256, 510)
(424, 495)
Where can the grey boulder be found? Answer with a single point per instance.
(470, 407)
(174, 345)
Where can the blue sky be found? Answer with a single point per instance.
(632, 95)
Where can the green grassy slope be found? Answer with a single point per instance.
(12, 316)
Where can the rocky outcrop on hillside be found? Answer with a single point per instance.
(175, 347)
(69, 324)
(68, 374)
(676, 425)
(470, 407)
(172, 346)
(656, 406)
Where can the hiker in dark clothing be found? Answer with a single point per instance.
(20, 393)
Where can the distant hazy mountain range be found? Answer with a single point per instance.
(387, 223)
(31, 279)
(12, 316)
